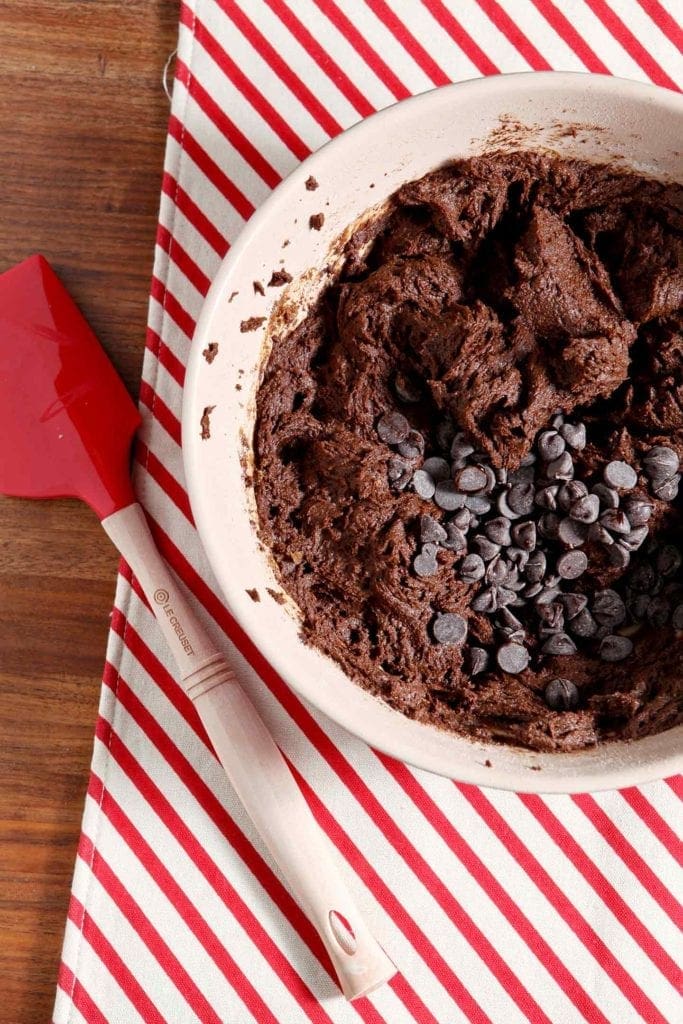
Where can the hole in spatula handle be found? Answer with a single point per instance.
(343, 932)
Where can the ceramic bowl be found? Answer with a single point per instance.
(586, 116)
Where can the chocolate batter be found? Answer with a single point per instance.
(496, 291)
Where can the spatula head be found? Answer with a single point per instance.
(66, 420)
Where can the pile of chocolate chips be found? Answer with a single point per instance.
(521, 536)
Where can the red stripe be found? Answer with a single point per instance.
(603, 888)
(346, 773)
(504, 23)
(184, 906)
(323, 59)
(165, 356)
(189, 209)
(410, 44)
(559, 900)
(170, 305)
(284, 72)
(228, 128)
(182, 259)
(494, 890)
(631, 858)
(653, 820)
(160, 411)
(210, 168)
(460, 37)
(363, 48)
(214, 810)
(144, 928)
(571, 37)
(664, 22)
(85, 1005)
(675, 783)
(628, 42)
(248, 90)
(165, 480)
(103, 948)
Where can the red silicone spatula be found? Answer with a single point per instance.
(67, 424)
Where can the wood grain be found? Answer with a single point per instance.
(82, 118)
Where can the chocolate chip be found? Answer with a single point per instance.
(532, 590)
(478, 504)
(425, 564)
(668, 490)
(509, 621)
(609, 498)
(393, 428)
(399, 472)
(520, 498)
(501, 476)
(490, 479)
(478, 660)
(639, 605)
(437, 468)
(557, 420)
(461, 448)
(570, 493)
(638, 511)
(658, 612)
(524, 535)
(571, 533)
(635, 539)
(572, 564)
(472, 568)
(660, 464)
(527, 460)
(449, 629)
(546, 596)
(615, 648)
(504, 508)
(497, 571)
(583, 624)
(559, 645)
(512, 658)
(598, 533)
(620, 474)
(535, 568)
(619, 556)
(550, 445)
(642, 577)
(455, 539)
(413, 447)
(547, 497)
(423, 484)
(586, 509)
(518, 556)
(448, 497)
(552, 614)
(561, 468)
(615, 521)
(608, 608)
(431, 531)
(471, 479)
(462, 519)
(486, 601)
(574, 434)
(498, 530)
(668, 560)
(573, 604)
(549, 525)
(407, 389)
(485, 547)
(677, 617)
(561, 695)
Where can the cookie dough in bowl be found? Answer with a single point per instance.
(438, 476)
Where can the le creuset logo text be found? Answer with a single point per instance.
(161, 597)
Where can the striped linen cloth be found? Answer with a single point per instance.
(496, 907)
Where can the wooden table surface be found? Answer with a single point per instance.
(82, 120)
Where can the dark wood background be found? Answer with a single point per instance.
(82, 122)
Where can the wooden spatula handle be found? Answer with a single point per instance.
(255, 766)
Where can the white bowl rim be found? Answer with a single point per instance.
(619, 769)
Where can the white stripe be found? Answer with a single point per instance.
(667, 805)
(99, 983)
(488, 37)
(648, 845)
(264, 79)
(203, 254)
(650, 36)
(600, 40)
(334, 43)
(568, 878)
(538, 31)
